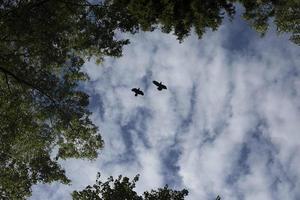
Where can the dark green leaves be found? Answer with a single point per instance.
(43, 46)
(43, 113)
(123, 189)
(178, 16)
(181, 16)
(284, 13)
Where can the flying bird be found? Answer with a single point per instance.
(159, 85)
(137, 91)
(218, 198)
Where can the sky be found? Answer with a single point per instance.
(228, 124)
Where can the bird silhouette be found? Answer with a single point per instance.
(218, 198)
(137, 91)
(159, 85)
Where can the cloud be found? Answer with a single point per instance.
(228, 123)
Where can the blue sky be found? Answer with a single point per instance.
(229, 123)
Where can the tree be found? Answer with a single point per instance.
(122, 188)
(43, 112)
(284, 13)
(178, 16)
(43, 46)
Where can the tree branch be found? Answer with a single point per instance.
(7, 72)
(7, 83)
(31, 5)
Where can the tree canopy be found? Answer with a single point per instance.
(181, 16)
(284, 13)
(178, 16)
(122, 188)
(44, 113)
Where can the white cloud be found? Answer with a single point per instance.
(218, 101)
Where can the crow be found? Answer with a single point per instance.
(137, 91)
(159, 85)
(218, 198)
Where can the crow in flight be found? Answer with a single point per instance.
(137, 91)
(159, 85)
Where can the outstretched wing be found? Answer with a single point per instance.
(163, 86)
(135, 90)
(156, 83)
(140, 92)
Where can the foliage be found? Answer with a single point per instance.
(178, 16)
(43, 112)
(122, 188)
(284, 13)
(43, 46)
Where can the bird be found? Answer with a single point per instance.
(159, 85)
(137, 91)
(218, 198)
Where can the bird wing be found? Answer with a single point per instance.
(134, 90)
(141, 92)
(156, 83)
(163, 86)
